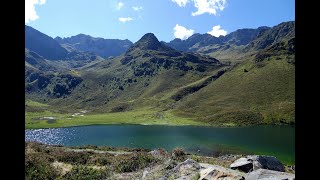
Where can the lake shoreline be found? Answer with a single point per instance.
(174, 125)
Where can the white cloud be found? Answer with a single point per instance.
(125, 19)
(208, 6)
(217, 31)
(182, 32)
(181, 3)
(137, 8)
(120, 5)
(204, 6)
(30, 12)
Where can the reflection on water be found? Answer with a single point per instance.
(269, 140)
(57, 136)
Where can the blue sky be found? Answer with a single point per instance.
(167, 19)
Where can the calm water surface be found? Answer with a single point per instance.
(278, 141)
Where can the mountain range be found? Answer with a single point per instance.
(102, 47)
(245, 77)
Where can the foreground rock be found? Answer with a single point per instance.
(242, 164)
(211, 172)
(265, 174)
(190, 169)
(250, 163)
(185, 170)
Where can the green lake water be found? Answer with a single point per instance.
(278, 141)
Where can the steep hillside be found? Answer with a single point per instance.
(99, 46)
(258, 90)
(44, 45)
(34, 61)
(50, 49)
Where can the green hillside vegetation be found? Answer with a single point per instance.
(154, 84)
(264, 94)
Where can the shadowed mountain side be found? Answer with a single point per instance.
(99, 46)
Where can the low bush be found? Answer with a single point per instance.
(134, 162)
(178, 154)
(80, 172)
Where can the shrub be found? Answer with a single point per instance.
(73, 157)
(85, 173)
(100, 160)
(37, 166)
(178, 154)
(134, 162)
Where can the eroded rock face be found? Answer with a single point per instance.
(251, 163)
(265, 174)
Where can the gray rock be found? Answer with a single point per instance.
(271, 163)
(254, 162)
(158, 153)
(243, 164)
(265, 174)
(213, 172)
(185, 170)
(144, 174)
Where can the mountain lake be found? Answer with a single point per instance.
(278, 141)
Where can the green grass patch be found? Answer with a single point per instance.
(143, 117)
(32, 103)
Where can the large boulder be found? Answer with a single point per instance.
(250, 163)
(270, 162)
(242, 164)
(213, 172)
(265, 174)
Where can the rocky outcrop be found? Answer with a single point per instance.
(212, 172)
(265, 174)
(250, 163)
(190, 169)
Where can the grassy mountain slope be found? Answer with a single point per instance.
(147, 70)
(154, 84)
(259, 90)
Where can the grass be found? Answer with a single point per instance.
(264, 94)
(32, 103)
(142, 117)
(250, 93)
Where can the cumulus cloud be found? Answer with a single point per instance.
(182, 32)
(204, 6)
(30, 12)
(137, 8)
(125, 19)
(217, 31)
(120, 5)
(181, 3)
(208, 6)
